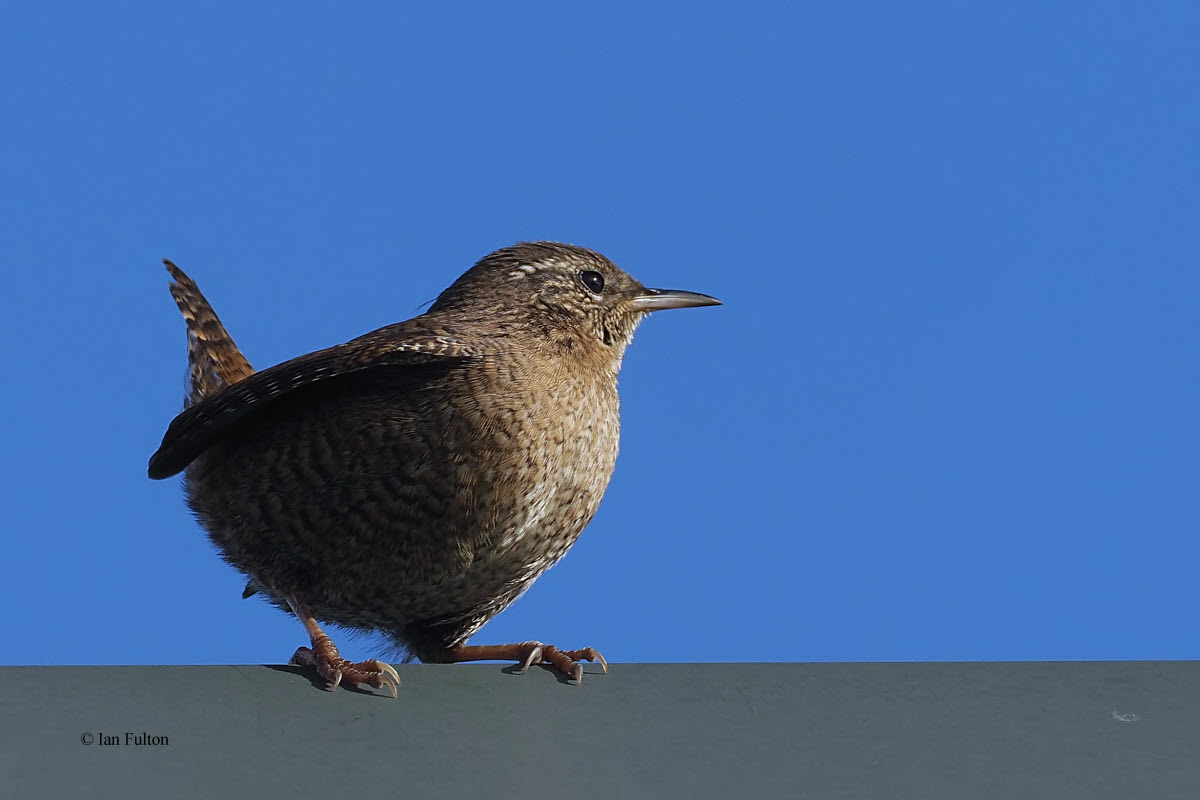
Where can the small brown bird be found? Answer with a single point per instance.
(416, 480)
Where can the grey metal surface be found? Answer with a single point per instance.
(931, 730)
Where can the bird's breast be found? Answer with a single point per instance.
(559, 448)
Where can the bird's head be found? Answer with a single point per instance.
(570, 295)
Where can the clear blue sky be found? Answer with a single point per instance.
(949, 410)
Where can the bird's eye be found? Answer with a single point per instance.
(592, 280)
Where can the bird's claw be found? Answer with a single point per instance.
(533, 657)
(332, 667)
(588, 654)
(565, 661)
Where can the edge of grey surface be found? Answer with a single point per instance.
(980, 730)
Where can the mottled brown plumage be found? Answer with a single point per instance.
(416, 480)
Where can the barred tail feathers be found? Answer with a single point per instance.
(214, 360)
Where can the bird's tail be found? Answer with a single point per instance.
(214, 360)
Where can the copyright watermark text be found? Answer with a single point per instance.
(127, 738)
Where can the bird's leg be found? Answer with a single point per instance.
(529, 653)
(328, 661)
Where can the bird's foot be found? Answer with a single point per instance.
(332, 667)
(528, 654)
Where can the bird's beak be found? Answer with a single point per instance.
(657, 299)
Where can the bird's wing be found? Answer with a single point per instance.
(193, 431)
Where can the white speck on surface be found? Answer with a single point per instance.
(1131, 717)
